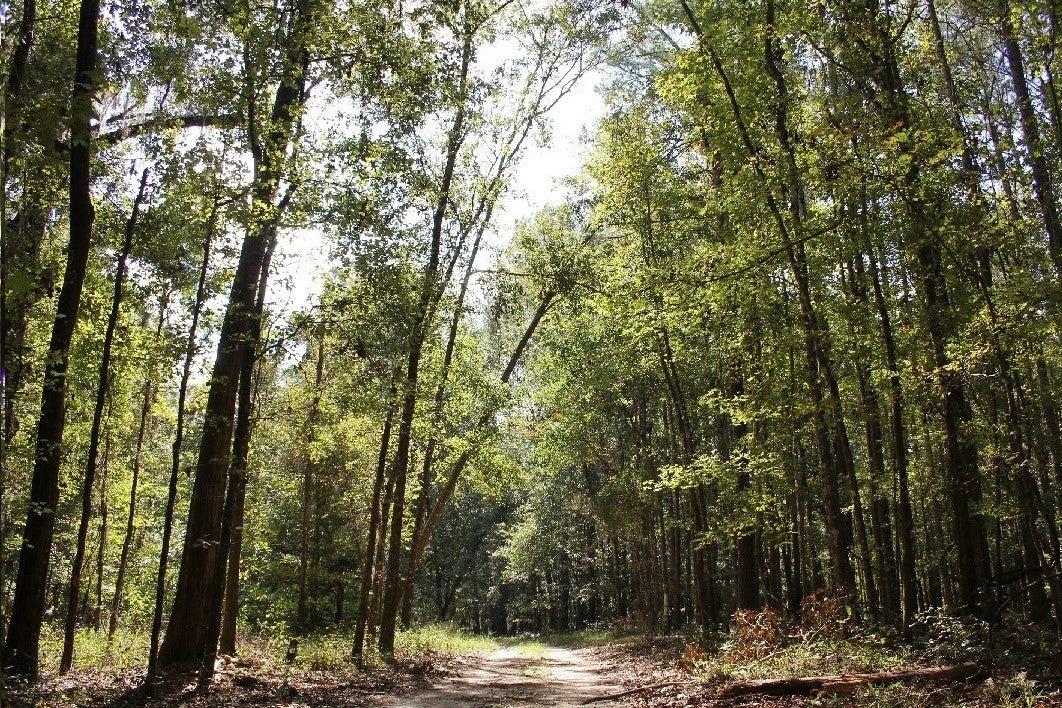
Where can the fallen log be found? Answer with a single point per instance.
(846, 683)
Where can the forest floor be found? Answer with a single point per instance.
(516, 675)
(597, 670)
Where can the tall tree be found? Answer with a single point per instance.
(270, 144)
(20, 654)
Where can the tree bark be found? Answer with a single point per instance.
(420, 544)
(127, 539)
(20, 654)
(904, 511)
(393, 591)
(307, 489)
(241, 445)
(375, 513)
(1043, 188)
(14, 309)
(101, 551)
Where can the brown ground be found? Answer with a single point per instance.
(517, 677)
(510, 677)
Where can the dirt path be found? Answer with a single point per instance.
(509, 677)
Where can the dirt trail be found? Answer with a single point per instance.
(508, 677)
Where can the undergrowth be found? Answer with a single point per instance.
(444, 638)
(332, 651)
(763, 645)
(92, 650)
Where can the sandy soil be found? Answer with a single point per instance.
(507, 677)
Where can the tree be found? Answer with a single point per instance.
(20, 655)
(270, 144)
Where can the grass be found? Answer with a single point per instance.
(331, 652)
(442, 638)
(318, 652)
(530, 648)
(759, 648)
(126, 651)
(597, 638)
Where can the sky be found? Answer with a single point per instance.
(301, 263)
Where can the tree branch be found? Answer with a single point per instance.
(150, 124)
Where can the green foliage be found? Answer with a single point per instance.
(805, 267)
(443, 638)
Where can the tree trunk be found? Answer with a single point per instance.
(101, 551)
(963, 482)
(20, 654)
(231, 610)
(178, 440)
(746, 576)
(19, 252)
(241, 445)
(375, 513)
(102, 388)
(420, 544)
(419, 535)
(1030, 132)
(307, 489)
(392, 593)
(904, 511)
(837, 530)
(138, 458)
(187, 637)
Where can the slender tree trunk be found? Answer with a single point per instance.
(1053, 432)
(420, 544)
(375, 514)
(379, 573)
(14, 309)
(392, 593)
(102, 388)
(101, 551)
(839, 536)
(963, 481)
(231, 609)
(904, 511)
(409, 577)
(20, 654)
(307, 488)
(1043, 188)
(178, 442)
(138, 459)
(127, 539)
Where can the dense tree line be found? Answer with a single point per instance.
(793, 331)
(818, 350)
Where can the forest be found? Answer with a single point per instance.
(288, 360)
